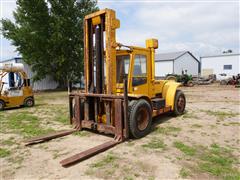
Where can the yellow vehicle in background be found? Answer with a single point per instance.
(15, 89)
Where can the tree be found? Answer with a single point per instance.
(49, 36)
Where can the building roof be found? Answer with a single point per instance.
(220, 55)
(172, 56)
(15, 58)
(169, 56)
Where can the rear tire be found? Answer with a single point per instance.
(140, 118)
(2, 105)
(179, 103)
(223, 82)
(171, 78)
(190, 84)
(29, 102)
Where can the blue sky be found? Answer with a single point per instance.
(203, 27)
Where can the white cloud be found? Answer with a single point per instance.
(200, 27)
(7, 9)
(7, 50)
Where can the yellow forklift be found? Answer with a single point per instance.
(15, 89)
(121, 93)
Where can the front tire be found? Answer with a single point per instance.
(29, 102)
(140, 118)
(2, 105)
(179, 103)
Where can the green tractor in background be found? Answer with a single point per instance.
(185, 79)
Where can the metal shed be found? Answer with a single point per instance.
(228, 64)
(44, 84)
(175, 63)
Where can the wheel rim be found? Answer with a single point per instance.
(29, 103)
(142, 119)
(1, 106)
(181, 103)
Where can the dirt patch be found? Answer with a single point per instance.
(173, 149)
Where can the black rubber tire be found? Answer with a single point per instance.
(223, 82)
(29, 102)
(134, 109)
(177, 110)
(190, 83)
(2, 105)
(171, 78)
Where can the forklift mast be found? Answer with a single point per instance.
(100, 31)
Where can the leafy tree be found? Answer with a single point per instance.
(49, 36)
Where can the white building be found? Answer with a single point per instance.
(176, 63)
(219, 64)
(44, 84)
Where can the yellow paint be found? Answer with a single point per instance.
(102, 119)
(151, 88)
(14, 101)
(111, 24)
(152, 43)
(169, 91)
(96, 20)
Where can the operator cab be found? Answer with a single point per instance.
(134, 66)
(12, 84)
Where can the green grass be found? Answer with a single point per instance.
(130, 143)
(82, 133)
(234, 123)
(189, 115)
(24, 123)
(185, 148)
(50, 96)
(167, 130)
(118, 166)
(104, 168)
(196, 126)
(128, 178)
(215, 160)
(221, 115)
(4, 153)
(151, 178)
(16, 160)
(62, 119)
(155, 144)
(184, 173)
(107, 160)
(219, 161)
(8, 142)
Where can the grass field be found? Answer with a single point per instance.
(201, 144)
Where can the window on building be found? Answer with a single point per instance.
(227, 67)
